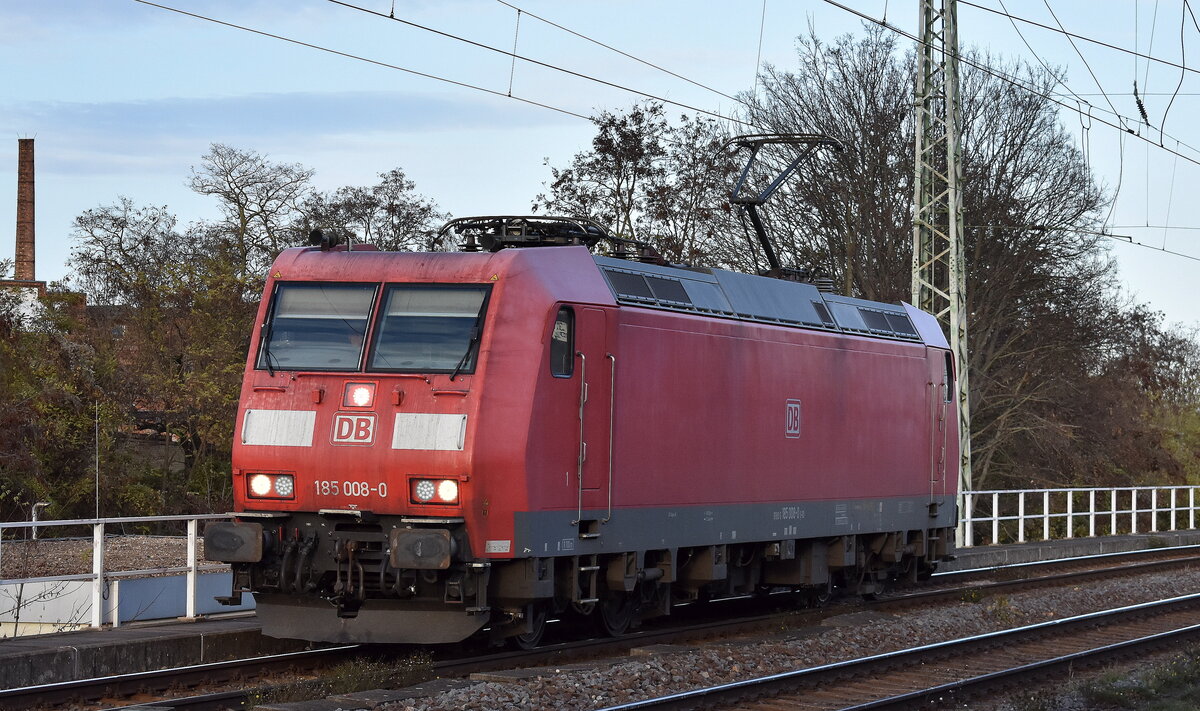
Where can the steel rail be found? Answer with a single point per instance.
(127, 684)
(1044, 666)
(993, 586)
(803, 679)
(1114, 555)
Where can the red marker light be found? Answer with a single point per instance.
(359, 395)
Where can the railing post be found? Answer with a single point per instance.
(1071, 514)
(98, 573)
(1154, 510)
(1045, 515)
(1192, 508)
(968, 529)
(996, 518)
(1112, 526)
(1091, 513)
(114, 603)
(192, 528)
(1021, 519)
(1133, 510)
(1173, 528)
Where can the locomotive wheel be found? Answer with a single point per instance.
(532, 638)
(820, 597)
(616, 613)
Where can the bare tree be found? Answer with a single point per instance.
(258, 199)
(122, 249)
(608, 182)
(663, 183)
(846, 212)
(391, 214)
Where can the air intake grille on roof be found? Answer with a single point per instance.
(901, 325)
(629, 285)
(668, 290)
(750, 298)
(823, 313)
(875, 320)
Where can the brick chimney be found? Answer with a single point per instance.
(24, 267)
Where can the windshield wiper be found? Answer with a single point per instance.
(266, 347)
(470, 347)
(462, 362)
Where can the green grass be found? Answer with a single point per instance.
(1173, 685)
(1169, 685)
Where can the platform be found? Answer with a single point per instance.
(44, 659)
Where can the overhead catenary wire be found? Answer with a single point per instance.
(999, 75)
(1010, 80)
(625, 54)
(1085, 126)
(1183, 58)
(1041, 61)
(539, 63)
(1187, 10)
(1082, 58)
(512, 70)
(1170, 199)
(1150, 49)
(1074, 35)
(1127, 239)
(360, 58)
(1155, 227)
(762, 25)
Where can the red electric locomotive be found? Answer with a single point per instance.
(432, 443)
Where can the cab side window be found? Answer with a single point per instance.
(562, 343)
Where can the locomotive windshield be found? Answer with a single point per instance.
(317, 327)
(429, 328)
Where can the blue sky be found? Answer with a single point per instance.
(124, 98)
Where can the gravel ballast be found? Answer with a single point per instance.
(634, 679)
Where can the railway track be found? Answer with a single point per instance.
(1074, 570)
(125, 685)
(1074, 563)
(698, 628)
(951, 671)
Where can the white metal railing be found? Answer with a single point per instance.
(100, 575)
(1020, 515)
(1003, 516)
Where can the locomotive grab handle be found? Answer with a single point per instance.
(612, 398)
(582, 444)
(414, 376)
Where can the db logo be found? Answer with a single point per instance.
(792, 431)
(353, 428)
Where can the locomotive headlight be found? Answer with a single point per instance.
(434, 491)
(447, 491)
(271, 486)
(423, 490)
(260, 485)
(358, 395)
(284, 486)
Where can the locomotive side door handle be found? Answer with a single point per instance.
(612, 399)
(582, 443)
(940, 464)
